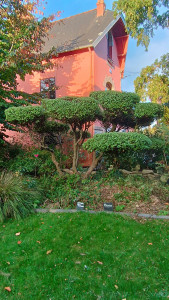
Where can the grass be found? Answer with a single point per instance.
(98, 256)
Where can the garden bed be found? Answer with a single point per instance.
(128, 194)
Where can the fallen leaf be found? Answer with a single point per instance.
(109, 275)
(124, 299)
(3, 226)
(116, 286)
(19, 242)
(38, 242)
(17, 234)
(48, 252)
(99, 262)
(7, 288)
(149, 243)
(78, 262)
(82, 254)
(8, 262)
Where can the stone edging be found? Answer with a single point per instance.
(55, 211)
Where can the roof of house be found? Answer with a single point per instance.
(80, 31)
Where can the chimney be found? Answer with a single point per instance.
(100, 8)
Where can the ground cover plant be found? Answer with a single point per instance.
(129, 193)
(134, 194)
(83, 256)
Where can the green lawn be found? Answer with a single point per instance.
(94, 256)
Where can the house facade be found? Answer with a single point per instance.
(91, 51)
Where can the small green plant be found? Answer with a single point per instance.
(163, 213)
(16, 198)
(119, 207)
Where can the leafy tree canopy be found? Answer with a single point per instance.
(75, 111)
(125, 110)
(33, 117)
(21, 41)
(117, 141)
(146, 113)
(143, 17)
(153, 83)
(24, 115)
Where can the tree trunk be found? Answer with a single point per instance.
(76, 147)
(93, 165)
(75, 154)
(113, 127)
(56, 164)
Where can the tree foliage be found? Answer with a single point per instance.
(143, 17)
(118, 142)
(75, 111)
(70, 114)
(153, 84)
(21, 40)
(70, 118)
(24, 115)
(124, 110)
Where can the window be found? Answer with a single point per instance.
(109, 86)
(47, 88)
(98, 130)
(109, 48)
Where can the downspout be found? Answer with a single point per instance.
(91, 84)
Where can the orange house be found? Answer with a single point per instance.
(91, 51)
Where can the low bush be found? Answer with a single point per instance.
(33, 163)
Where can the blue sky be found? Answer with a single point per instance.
(137, 57)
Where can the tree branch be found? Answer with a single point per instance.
(93, 165)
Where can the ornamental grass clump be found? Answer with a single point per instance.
(16, 199)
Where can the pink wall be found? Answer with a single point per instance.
(79, 72)
(72, 75)
(102, 70)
